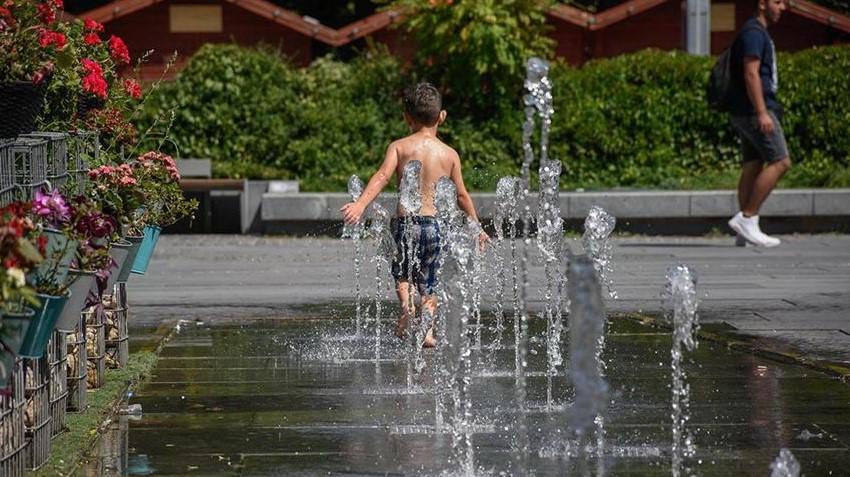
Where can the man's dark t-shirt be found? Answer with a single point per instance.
(753, 41)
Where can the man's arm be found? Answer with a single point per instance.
(752, 81)
(352, 212)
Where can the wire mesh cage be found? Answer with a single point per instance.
(37, 421)
(77, 362)
(95, 346)
(8, 187)
(29, 160)
(83, 150)
(117, 332)
(12, 437)
(57, 156)
(57, 357)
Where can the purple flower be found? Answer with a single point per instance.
(51, 207)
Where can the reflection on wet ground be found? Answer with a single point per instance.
(299, 396)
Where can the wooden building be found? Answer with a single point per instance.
(166, 26)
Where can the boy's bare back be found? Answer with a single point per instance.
(438, 160)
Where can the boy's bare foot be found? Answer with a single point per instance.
(429, 341)
(401, 327)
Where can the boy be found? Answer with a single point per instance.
(423, 113)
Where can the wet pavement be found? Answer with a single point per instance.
(262, 381)
(298, 396)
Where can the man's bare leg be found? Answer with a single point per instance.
(408, 309)
(764, 184)
(749, 173)
(429, 303)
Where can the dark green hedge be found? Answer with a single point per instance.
(633, 121)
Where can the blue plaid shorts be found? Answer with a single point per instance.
(426, 246)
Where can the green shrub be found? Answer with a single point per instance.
(637, 120)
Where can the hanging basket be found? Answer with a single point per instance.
(119, 252)
(42, 326)
(60, 251)
(143, 257)
(89, 103)
(15, 326)
(81, 285)
(21, 103)
(135, 244)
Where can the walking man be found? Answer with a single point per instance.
(755, 116)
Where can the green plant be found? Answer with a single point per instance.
(476, 49)
(30, 39)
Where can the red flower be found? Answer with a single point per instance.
(95, 84)
(119, 50)
(92, 67)
(41, 242)
(46, 13)
(5, 13)
(47, 38)
(92, 25)
(132, 88)
(92, 39)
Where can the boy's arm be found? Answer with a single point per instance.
(464, 201)
(352, 212)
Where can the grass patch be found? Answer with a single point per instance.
(83, 428)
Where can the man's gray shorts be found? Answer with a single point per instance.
(757, 146)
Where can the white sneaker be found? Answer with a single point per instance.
(748, 227)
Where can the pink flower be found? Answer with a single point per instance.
(119, 50)
(92, 25)
(127, 180)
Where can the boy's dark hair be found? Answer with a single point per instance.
(423, 103)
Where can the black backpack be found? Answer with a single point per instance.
(720, 81)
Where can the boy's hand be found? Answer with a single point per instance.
(352, 212)
(483, 239)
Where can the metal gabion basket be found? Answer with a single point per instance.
(12, 433)
(57, 362)
(37, 421)
(77, 362)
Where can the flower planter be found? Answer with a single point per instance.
(89, 103)
(42, 325)
(15, 327)
(143, 257)
(80, 287)
(119, 252)
(135, 244)
(21, 102)
(60, 248)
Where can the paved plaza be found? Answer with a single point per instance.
(798, 294)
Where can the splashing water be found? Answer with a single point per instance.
(410, 201)
(598, 227)
(680, 303)
(587, 327)
(356, 232)
(410, 191)
(785, 465)
(508, 192)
